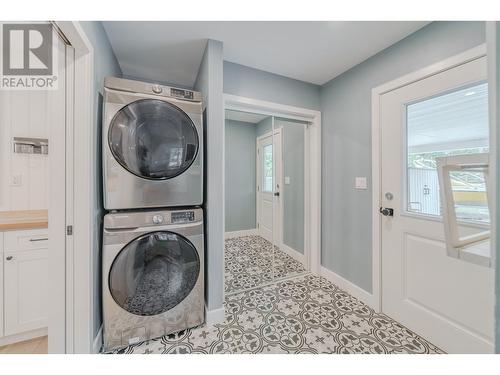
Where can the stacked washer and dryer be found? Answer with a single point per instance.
(153, 240)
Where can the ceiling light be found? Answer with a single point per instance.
(469, 93)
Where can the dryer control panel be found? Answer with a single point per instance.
(182, 217)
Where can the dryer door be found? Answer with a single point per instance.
(154, 273)
(153, 139)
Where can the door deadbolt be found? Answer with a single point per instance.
(389, 196)
(387, 211)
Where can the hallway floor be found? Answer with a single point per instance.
(306, 314)
(249, 260)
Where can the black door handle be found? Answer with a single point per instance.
(277, 194)
(387, 211)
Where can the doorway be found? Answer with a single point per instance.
(33, 193)
(265, 176)
(296, 190)
(446, 300)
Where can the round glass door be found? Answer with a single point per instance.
(154, 273)
(153, 139)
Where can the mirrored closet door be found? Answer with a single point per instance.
(265, 170)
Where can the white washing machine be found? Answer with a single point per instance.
(153, 281)
(152, 145)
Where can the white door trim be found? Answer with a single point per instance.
(313, 157)
(449, 63)
(77, 312)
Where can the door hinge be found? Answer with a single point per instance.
(258, 225)
(69, 230)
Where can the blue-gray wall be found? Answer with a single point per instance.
(253, 83)
(293, 193)
(346, 141)
(210, 83)
(105, 64)
(240, 192)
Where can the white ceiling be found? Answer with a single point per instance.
(251, 118)
(313, 52)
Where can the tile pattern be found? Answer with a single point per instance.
(306, 314)
(249, 260)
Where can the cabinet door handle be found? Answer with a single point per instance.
(10, 257)
(38, 239)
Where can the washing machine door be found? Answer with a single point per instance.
(154, 273)
(153, 139)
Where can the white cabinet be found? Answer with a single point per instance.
(25, 279)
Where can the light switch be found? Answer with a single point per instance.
(287, 180)
(361, 183)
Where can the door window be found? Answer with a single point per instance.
(154, 273)
(267, 168)
(454, 123)
(153, 139)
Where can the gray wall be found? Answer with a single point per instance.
(210, 83)
(293, 194)
(240, 192)
(264, 126)
(253, 83)
(346, 141)
(105, 64)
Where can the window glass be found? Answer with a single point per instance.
(154, 273)
(469, 195)
(267, 182)
(455, 123)
(153, 139)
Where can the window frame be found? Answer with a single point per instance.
(455, 244)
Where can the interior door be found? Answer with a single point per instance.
(269, 176)
(446, 300)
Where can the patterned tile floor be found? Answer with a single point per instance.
(249, 260)
(306, 314)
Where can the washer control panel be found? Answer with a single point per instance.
(182, 217)
(183, 94)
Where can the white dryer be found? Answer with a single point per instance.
(152, 145)
(152, 274)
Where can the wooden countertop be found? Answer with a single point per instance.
(18, 220)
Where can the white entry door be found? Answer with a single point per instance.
(269, 176)
(446, 300)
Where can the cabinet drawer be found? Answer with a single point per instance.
(26, 240)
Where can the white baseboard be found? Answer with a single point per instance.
(97, 345)
(12, 339)
(293, 253)
(214, 316)
(349, 287)
(240, 233)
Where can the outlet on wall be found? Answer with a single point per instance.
(16, 180)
